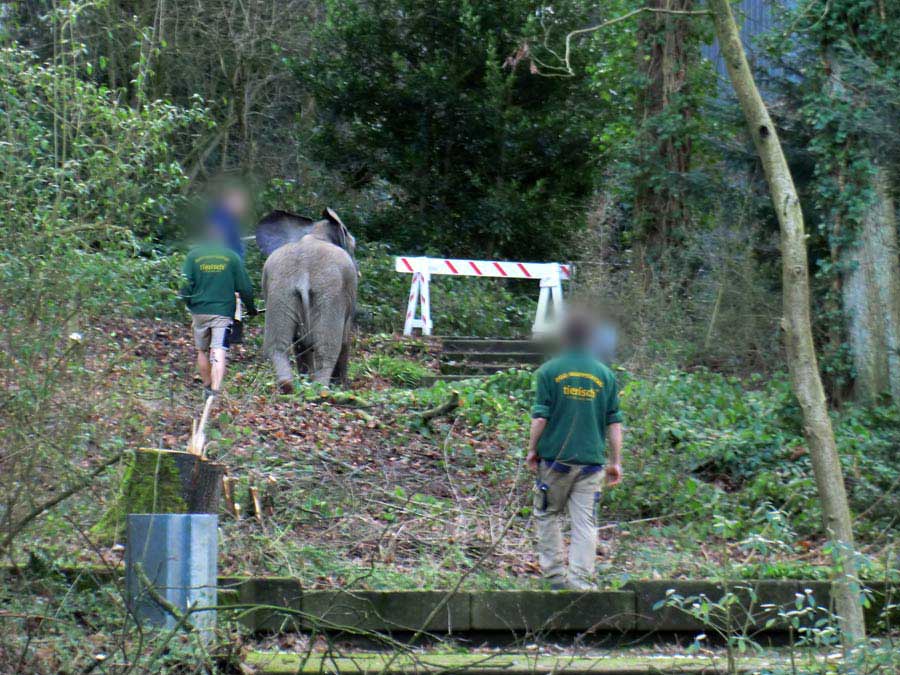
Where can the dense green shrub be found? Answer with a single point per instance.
(85, 184)
(701, 442)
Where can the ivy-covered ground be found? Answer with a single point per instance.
(362, 492)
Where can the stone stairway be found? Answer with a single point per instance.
(463, 358)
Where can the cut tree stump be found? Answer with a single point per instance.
(162, 481)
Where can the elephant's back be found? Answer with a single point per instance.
(309, 258)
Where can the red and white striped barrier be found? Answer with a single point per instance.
(483, 268)
(550, 276)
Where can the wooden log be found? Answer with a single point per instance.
(162, 481)
(445, 408)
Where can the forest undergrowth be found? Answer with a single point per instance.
(362, 491)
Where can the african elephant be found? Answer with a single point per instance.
(309, 283)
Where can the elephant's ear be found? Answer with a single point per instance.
(341, 235)
(279, 228)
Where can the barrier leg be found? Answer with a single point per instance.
(425, 290)
(557, 296)
(540, 317)
(411, 305)
(551, 296)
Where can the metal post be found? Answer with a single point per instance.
(176, 555)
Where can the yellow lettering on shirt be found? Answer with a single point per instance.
(212, 267)
(582, 393)
(574, 373)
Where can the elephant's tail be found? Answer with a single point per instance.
(303, 291)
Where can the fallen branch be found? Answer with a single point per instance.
(345, 400)
(441, 410)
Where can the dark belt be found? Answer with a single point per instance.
(559, 467)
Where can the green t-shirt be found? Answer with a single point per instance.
(579, 398)
(212, 275)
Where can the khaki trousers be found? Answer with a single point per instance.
(577, 493)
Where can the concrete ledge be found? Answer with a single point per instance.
(392, 611)
(536, 611)
(632, 608)
(269, 593)
(756, 602)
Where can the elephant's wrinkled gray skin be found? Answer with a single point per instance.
(310, 291)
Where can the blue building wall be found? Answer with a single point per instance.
(755, 17)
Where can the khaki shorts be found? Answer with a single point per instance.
(210, 331)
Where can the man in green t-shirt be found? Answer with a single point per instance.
(213, 274)
(576, 439)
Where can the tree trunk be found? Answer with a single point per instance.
(665, 56)
(162, 481)
(871, 297)
(801, 355)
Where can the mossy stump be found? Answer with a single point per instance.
(162, 481)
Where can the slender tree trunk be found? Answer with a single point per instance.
(801, 354)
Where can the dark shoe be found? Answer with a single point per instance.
(207, 392)
(286, 387)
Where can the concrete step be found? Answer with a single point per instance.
(492, 357)
(464, 344)
(470, 369)
(510, 663)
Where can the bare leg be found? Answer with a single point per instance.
(217, 359)
(204, 366)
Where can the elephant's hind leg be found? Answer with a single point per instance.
(340, 373)
(280, 329)
(327, 333)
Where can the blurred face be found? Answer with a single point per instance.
(235, 201)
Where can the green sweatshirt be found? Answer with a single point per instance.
(579, 398)
(212, 275)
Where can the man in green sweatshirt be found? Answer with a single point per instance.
(213, 274)
(576, 440)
